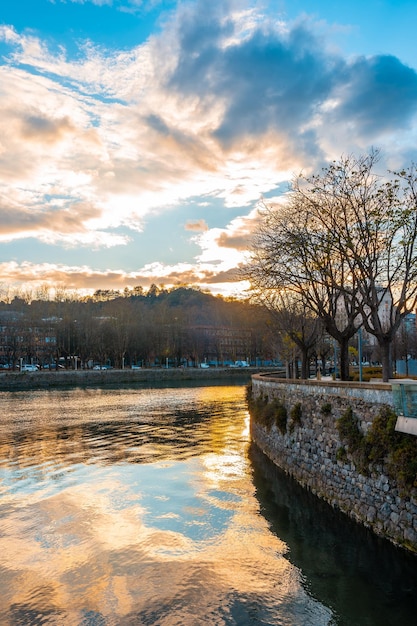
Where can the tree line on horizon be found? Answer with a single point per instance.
(179, 326)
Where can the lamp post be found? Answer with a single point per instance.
(360, 353)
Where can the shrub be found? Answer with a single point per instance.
(281, 417)
(349, 430)
(341, 454)
(266, 412)
(382, 437)
(295, 415)
(402, 463)
(326, 409)
(367, 373)
(381, 445)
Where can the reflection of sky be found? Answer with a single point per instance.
(168, 494)
(165, 542)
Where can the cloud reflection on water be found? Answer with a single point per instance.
(115, 524)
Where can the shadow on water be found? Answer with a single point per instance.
(365, 580)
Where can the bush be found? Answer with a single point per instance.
(402, 463)
(295, 414)
(267, 412)
(382, 437)
(341, 454)
(349, 430)
(382, 445)
(326, 409)
(280, 417)
(367, 373)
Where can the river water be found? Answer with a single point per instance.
(150, 506)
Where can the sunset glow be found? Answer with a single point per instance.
(137, 138)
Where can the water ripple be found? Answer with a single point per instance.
(141, 506)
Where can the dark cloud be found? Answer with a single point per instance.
(269, 81)
(274, 84)
(187, 145)
(281, 81)
(378, 94)
(41, 128)
(227, 276)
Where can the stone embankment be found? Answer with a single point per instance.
(309, 450)
(20, 381)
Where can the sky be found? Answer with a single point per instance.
(138, 138)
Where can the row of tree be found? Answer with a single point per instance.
(178, 326)
(340, 252)
(181, 325)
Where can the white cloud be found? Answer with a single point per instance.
(225, 102)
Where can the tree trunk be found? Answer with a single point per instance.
(305, 373)
(344, 359)
(386, 351)
(296, 368)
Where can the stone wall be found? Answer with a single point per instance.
(308, 451)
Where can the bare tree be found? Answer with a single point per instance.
(346, 243)
(293, 322)
(373, 222)
(294, 253)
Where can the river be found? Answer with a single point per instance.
(149, 506)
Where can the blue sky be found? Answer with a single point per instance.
(137, 138)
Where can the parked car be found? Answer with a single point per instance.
(204, 366)
(29, 368)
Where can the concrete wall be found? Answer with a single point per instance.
(18, 381)
(308, 452)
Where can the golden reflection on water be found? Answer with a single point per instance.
(125, 524)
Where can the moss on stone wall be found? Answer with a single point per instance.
(381, 445)
(268, 411)
(348, 454)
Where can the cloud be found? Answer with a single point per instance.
(84, 279)
(236, 237)
(44, 129)
(279, 81)
(376, 95)
(197, 226)
(58, 224)
(225, 102)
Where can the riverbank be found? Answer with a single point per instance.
(21, 381)
(296, 424)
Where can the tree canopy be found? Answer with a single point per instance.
(344, 241)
